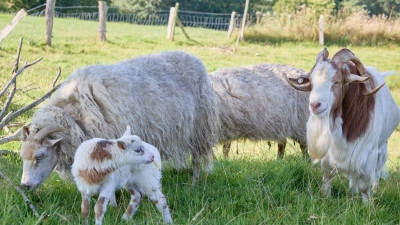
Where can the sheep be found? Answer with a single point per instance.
(253, 104)
(103, 165)
(350, 120)
(167, 95)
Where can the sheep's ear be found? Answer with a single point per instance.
(25, 133)
(121, 145)
(128, 131)
(50, 143)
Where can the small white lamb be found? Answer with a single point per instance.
(102, 166)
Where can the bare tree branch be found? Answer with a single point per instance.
(27, 201)
(15, 137)
(8, 102)
(14, 115)
(58, 76)
(16, 64)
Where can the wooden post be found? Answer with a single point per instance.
(50, 5)
(171, 24)
(231, 24)
(258, 14)
(321, 30)
(244, 20)
(102, 20)
(21, 14)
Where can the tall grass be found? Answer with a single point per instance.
(345, 27)
(252, 187)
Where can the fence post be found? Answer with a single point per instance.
(321, 30)
(231, 23)
(171, 24)
(102, 20)
(244, 20)
(14, 22)
(258, 14)
(50, 5)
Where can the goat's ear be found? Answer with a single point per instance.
(352, 78)
(121, 145)
(50, 143)
(128, 131)
(25, 133)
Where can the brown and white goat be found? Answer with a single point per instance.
(350, 120)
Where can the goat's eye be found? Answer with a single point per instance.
(336, 83)
(139, 150)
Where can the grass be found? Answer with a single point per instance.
(252, 187)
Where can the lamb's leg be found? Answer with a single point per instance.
(329, 174)
(196, 170)
(85, 207)
(136, 198)
(281, 148)
(100, 208)
(225, 149)
(113, 200)
(159, 199)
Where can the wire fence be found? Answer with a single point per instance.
(217, 21)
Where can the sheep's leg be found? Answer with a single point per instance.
(225, 149)
(159, 199)
(113, 200)
(136, 198)
(100, 208)
(329, 174)
(85, 208)
(196, 170)
(281, 148)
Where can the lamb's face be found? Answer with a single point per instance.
(135, 153)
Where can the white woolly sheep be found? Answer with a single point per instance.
(255, 102)
(350, 120)
(168, 96)
(102, 166)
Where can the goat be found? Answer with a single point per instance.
(350, 120)
(102, 166)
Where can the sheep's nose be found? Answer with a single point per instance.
(25, 186)
(152, 157)
(315, 105)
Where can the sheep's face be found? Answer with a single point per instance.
(39, 159)
(134, 151)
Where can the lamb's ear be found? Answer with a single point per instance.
(50, 143)
(128, 131)
(25, 133)
(121, 145)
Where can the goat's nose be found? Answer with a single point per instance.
(315, 105)
(152, 157)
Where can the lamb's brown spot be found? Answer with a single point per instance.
(100, 152)
(155, 202)
(93, 176)
(99, 207)
(129, 210)
(131, 191)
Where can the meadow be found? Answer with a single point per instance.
(251, 187)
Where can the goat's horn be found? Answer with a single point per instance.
(46, 131)
(368, 91)
(301, 86)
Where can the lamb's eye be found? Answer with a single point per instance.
(132, 141)
(139, 150)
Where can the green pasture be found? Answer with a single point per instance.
(251, 187)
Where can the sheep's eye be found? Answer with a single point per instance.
(132, 141)
(139, 150)
(39, 157)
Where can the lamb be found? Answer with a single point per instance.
(101, 166)
(168, 96)
(253, 104)
(350, 120)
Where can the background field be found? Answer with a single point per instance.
(252, 187)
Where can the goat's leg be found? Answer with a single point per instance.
(136, 198)
(159, 199)
(85, 208)
(100, 208)
(329, 174)
(225, 149)
(281, 148)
